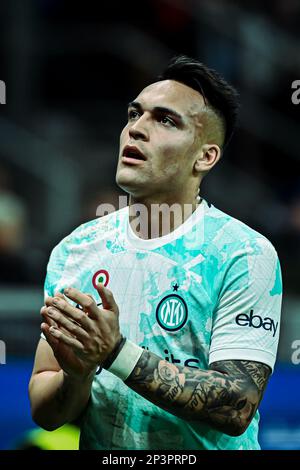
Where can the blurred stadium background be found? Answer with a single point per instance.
(70, 68)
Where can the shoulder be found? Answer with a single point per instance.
(92, 230)
(231, 234)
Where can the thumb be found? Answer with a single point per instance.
(108, 301)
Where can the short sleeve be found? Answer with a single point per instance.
(246, 321)
(55, 269)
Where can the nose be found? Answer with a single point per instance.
(138, 130)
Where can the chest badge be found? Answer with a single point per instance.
(172, 312)
(102, 277)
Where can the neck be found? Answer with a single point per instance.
(150, 217)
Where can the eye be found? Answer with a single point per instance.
(167, 121)
(132, 114)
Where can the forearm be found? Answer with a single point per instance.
(57, 399)
(216, 398)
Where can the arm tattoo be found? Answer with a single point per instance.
(226, 396)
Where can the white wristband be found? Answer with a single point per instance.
(126, 360)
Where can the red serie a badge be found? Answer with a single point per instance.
(101, 277)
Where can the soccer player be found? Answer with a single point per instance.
(165, 341)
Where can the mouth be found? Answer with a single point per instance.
(133, 155)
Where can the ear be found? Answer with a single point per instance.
(209, 155)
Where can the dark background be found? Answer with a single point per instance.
(70, 69)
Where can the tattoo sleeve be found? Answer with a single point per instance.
(226, 396)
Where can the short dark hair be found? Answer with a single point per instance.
(216, 92)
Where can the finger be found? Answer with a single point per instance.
(49, 299)
(68, 325)
(51, 322)
(84, 309)
(50, 338)
(59, 294)
(90, 296)
(86, 301)
(68, 340)
(74, 313)
(108, 301)
(47, 319)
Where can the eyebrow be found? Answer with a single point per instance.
(158, 109)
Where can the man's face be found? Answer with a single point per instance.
(164, 125)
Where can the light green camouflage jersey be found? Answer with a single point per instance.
(209, 291)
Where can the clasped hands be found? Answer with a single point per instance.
(81, 338)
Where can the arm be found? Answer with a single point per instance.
(63, 371)
(225, 397)
(56, 397)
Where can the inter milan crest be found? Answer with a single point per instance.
(172, 312)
